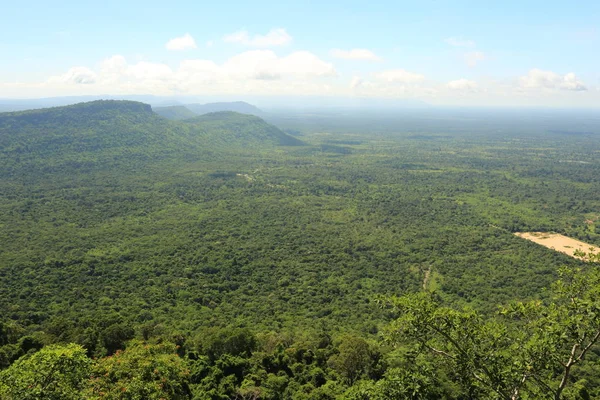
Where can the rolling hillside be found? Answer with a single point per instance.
(104, 133)
(175, 113)
(232, 128)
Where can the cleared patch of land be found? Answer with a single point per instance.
(558, 242)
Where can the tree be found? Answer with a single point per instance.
(237, 342)
(53, 373)
(529, 349)
(115, 336)
(354, 358)
(142, 371)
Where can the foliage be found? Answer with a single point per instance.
(53, 373)
(354, 359)
(530, 355)
(232, 127)
(262, 262)
(142, 371)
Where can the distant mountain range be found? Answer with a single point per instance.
(176, 113)
(180, 112)
(204, 104)
(237, 106)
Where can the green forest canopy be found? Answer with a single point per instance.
(262, 255)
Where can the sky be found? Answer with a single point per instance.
(458, 53)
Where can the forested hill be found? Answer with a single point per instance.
(81, 113)
(95, 135)
(233, 127)
(109, 132)
(176, 113)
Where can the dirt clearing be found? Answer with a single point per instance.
(558, 242)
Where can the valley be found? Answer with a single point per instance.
(119, 224)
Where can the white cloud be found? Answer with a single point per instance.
(474, 57)
(272, 75)
(147, 70)
(400, 76)
(112, 69)
(198, 66)
(263, 72)
(116, 68)
(114, 63)
(304, 63)
(570, 82)
(356, 82)
(76, 76)
(254, 64)
(184, 42)
(464, 85)
(539, 79)
(275, 37)
(355, 54)
(459, 42)
(260, 71)
(266, 65)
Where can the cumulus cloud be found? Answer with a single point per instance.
(400, 76)
(275, 37)
(570, 82)
(256, 70)
(539, 79)
(204, 67)
(184, 42)
(76, 76)
(356, 82)
(112, 64)
(463, 85)
(474, 57)
(266, 65)
(147, 70)
(459, 42)
(355, 54)
(116, 68)
(305, 63)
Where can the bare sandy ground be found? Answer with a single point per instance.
(558, 242)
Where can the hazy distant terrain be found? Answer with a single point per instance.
(186, 111)
(174, 112)
(238, 106)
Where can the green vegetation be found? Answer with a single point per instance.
(174, 112)
(54, 372)
(529, 353)
(232, 128)
(218, 257)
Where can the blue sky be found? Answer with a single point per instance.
(443, 52)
